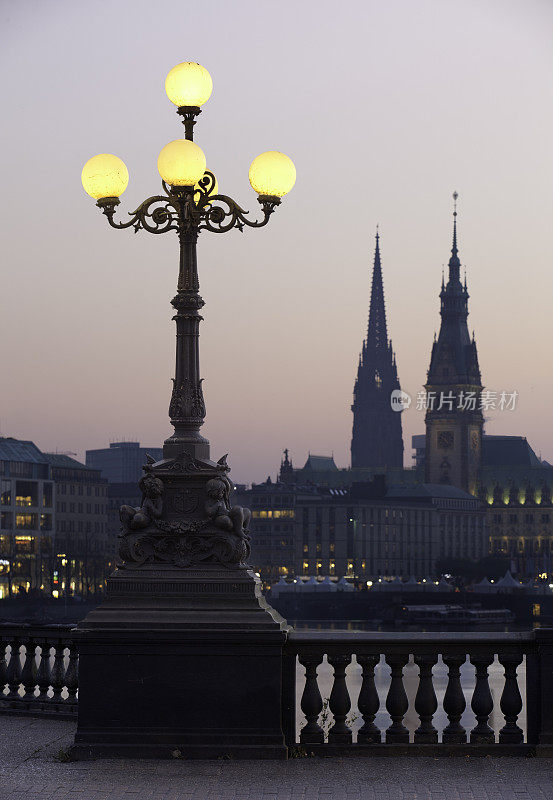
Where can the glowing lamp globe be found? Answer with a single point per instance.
(181, 163)
(188, 84)
(272, 174)
(104, 176)
(199, 191)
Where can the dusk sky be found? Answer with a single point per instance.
(385, 108)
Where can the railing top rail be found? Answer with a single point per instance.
(9, 630)
(436, 640)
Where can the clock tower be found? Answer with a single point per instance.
(454, 419)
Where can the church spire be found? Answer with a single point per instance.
(377, 334)
(377, 437)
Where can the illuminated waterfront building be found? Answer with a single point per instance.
(27, 517)
(53, 523)
(367, 531)
(84, 553)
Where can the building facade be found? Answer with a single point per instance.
(273, 507)
(454, 419)
(84, 556)
(122, 462)
(377, 441)
(516, 489)
(397, 532)
(368, 531)
(27, 518)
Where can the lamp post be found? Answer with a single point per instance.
(189, 205)
(182, 575)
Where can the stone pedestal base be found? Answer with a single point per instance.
(181, 664)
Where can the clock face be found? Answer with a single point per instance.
(475, 441)
(445, 440)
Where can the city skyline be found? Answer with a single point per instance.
(86, 323)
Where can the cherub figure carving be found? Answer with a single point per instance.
(134, 519)
(217, 507)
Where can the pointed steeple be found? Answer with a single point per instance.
(377, 438)
(454, 262)
(453, 339)
(454, 434)
(377, 334)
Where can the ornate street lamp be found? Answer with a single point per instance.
(183, 655)
(187, 494)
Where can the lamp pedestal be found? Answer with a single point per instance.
(183, 658)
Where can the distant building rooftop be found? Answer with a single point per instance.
(64, 461)
(508, 451)
(20, 450)
(498, 451)
(320, 463)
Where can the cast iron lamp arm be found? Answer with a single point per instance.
(222, 218)
(165, 217)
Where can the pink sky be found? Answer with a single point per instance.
(385, 108)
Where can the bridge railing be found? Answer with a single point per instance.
(350, 691)
(39, 670)
(368, 707)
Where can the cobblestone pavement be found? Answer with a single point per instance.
(29, 770)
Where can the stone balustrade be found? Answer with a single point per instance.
(39, 670)
(39, 676)
(327, 726)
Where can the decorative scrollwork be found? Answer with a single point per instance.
(157, 214)
(178, 211)
(222, 213)
(206, 186)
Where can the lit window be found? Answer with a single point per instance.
(26, 493)
(305, 567)
(6, 493)
(27, 521)
(24, 544)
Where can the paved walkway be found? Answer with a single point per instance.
(29, 770)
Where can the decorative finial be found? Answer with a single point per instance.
(454, 248)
